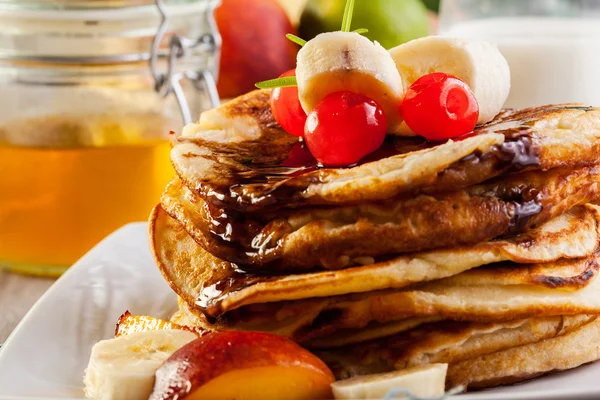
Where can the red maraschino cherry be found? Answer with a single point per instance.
(286, 108)
(439, 106)
(345, 127)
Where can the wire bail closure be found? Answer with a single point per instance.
(179, 46)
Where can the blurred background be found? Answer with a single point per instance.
(390, 22)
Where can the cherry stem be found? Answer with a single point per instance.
(348, 11)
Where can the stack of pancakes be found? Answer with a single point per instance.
(480, 252)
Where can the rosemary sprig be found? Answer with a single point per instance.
(286, 81)
(348, 11)
(293, 38)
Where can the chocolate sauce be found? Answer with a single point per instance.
(208, 300)
(268, 183)
(241, 230)
(522, 215)
(300, 161)
(528, 200)
(266, 173)
(243, 236)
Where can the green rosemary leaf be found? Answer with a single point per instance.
(296, 39)
(361, 31)
(286, 81)
(348, 11)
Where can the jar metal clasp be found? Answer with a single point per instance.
(170, 81)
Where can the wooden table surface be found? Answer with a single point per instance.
(17, 294)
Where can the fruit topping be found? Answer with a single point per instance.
(123, 368)
(344, 127)
(477, 63)
(347, 61)
(286, 107)
(439, 106)
(354, 91)
(242, 365)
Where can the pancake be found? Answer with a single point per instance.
(217, 286)
(491, 300)
(564, 287)
(478, 252)
(283, 325)
(520, 363)
(184, 317)
(445, 342)
(420, 332)
(236, 157)
(346, 337)
(334, 238)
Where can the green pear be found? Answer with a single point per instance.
(390, 22)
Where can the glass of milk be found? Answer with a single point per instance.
(552, 46)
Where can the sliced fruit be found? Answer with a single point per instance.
(242, 365)
(347, 61)
(124, 367)
(128, 324)
(427, 381)
(479, 64)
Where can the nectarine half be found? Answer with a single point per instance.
(242, 366)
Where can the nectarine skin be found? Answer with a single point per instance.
(239, 357)
(254, 44)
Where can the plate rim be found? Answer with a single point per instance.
(57, 283)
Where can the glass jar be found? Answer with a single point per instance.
(84, 119)
(550, 45)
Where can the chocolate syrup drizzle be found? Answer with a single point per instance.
(272, 181)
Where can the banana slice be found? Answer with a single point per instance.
(337, 61)
(427, 381)
(124, 367)
(479, 64)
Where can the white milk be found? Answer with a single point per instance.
(552, 60)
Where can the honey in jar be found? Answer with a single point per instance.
(58, 201)
(85, 120)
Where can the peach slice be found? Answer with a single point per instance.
(243, 366)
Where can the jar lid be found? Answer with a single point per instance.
(95, 31)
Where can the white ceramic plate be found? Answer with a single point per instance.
(45, 356)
